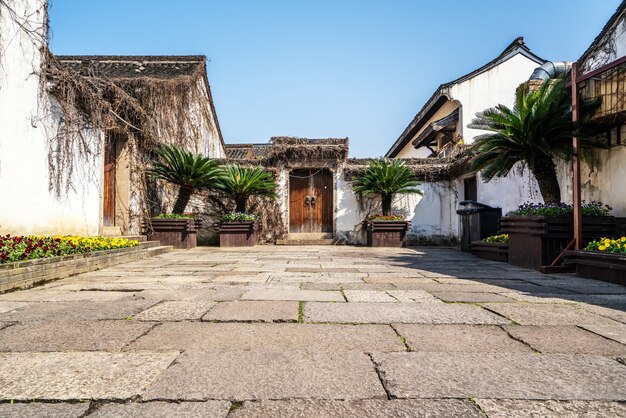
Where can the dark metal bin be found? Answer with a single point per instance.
(478, 221)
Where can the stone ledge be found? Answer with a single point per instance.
(29, 273)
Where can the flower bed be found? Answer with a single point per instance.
(238, 229)
(603, 259)
(380, 217)
(495, 248)
(178, 231)
(19, 248)
(561, 209)
(386, 233)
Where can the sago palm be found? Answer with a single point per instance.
(385, 178)
(242, 182)
(187, 170)
(537, 129)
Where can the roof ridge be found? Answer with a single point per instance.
(132, 57)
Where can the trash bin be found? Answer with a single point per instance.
(478, 221)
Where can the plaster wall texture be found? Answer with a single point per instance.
(27, 122)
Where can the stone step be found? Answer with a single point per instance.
(150, 244)
(140, 238)
(161, 249)
(326, 241)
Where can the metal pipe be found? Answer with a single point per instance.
(578, 228)
(550, 69)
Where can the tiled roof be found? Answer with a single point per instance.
(115, 66)
(246, 151)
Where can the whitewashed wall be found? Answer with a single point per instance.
(433, 215)
(26, 204)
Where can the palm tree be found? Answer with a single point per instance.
(385, 178)
(187, 170)
(240, 183)
(537, 129)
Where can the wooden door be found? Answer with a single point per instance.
(108, 193)
(310, 201)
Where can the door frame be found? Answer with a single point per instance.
(333, 175)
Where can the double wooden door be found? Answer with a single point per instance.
(310, 201)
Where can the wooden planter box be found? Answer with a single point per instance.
(536, 241)
(496, 251)
(600, 266)
(386, 233)
(238, 234)
(180, 233)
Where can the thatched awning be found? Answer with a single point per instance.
(425, 169)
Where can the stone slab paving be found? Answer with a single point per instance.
(71, 335)
(550, 409)
(502, 375)
(448, 408)
(254, 310)
(314, 331)
(301, 337)
(261, 374)
(288, 294)
(566, 339)
(79, 375)
(76, 311)
(471, 297)
(459, 339)
(175, 311)
(208, 409)
(377, 296)
(43, 410)
(421, 313)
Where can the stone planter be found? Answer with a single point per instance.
(536, 241)
(496, 251)
(386, 233)
(609, 267)
(179, 233)
(238, 234)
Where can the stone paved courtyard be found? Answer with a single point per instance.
(314, 331)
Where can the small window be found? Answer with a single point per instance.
(470, 189)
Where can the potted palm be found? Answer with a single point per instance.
(238, 229)
(386, 178)
(190, 172)
(534, 133)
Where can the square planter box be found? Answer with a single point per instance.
(386, 233)
(608, 267)
(536, 241)
(180, 233)
(496, 251)
(238, 234)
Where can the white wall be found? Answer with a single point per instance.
(26, 204)
(433, 215)
(493, 87)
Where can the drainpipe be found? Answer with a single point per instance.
(550, 69)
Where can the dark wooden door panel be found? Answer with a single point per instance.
(299, 219)
(310, 201)
(108, 190)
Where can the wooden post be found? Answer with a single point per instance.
(578, 227)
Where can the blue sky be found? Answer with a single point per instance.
(355, 68)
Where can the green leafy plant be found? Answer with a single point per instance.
(608, 245)
(175, 216)
(385, 178)
(188, 171)
(242, 182)
(537, 129)
(238, 217)
(380, 217)
(502, 238)
(562, 209)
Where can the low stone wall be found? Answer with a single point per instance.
(29, 273)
